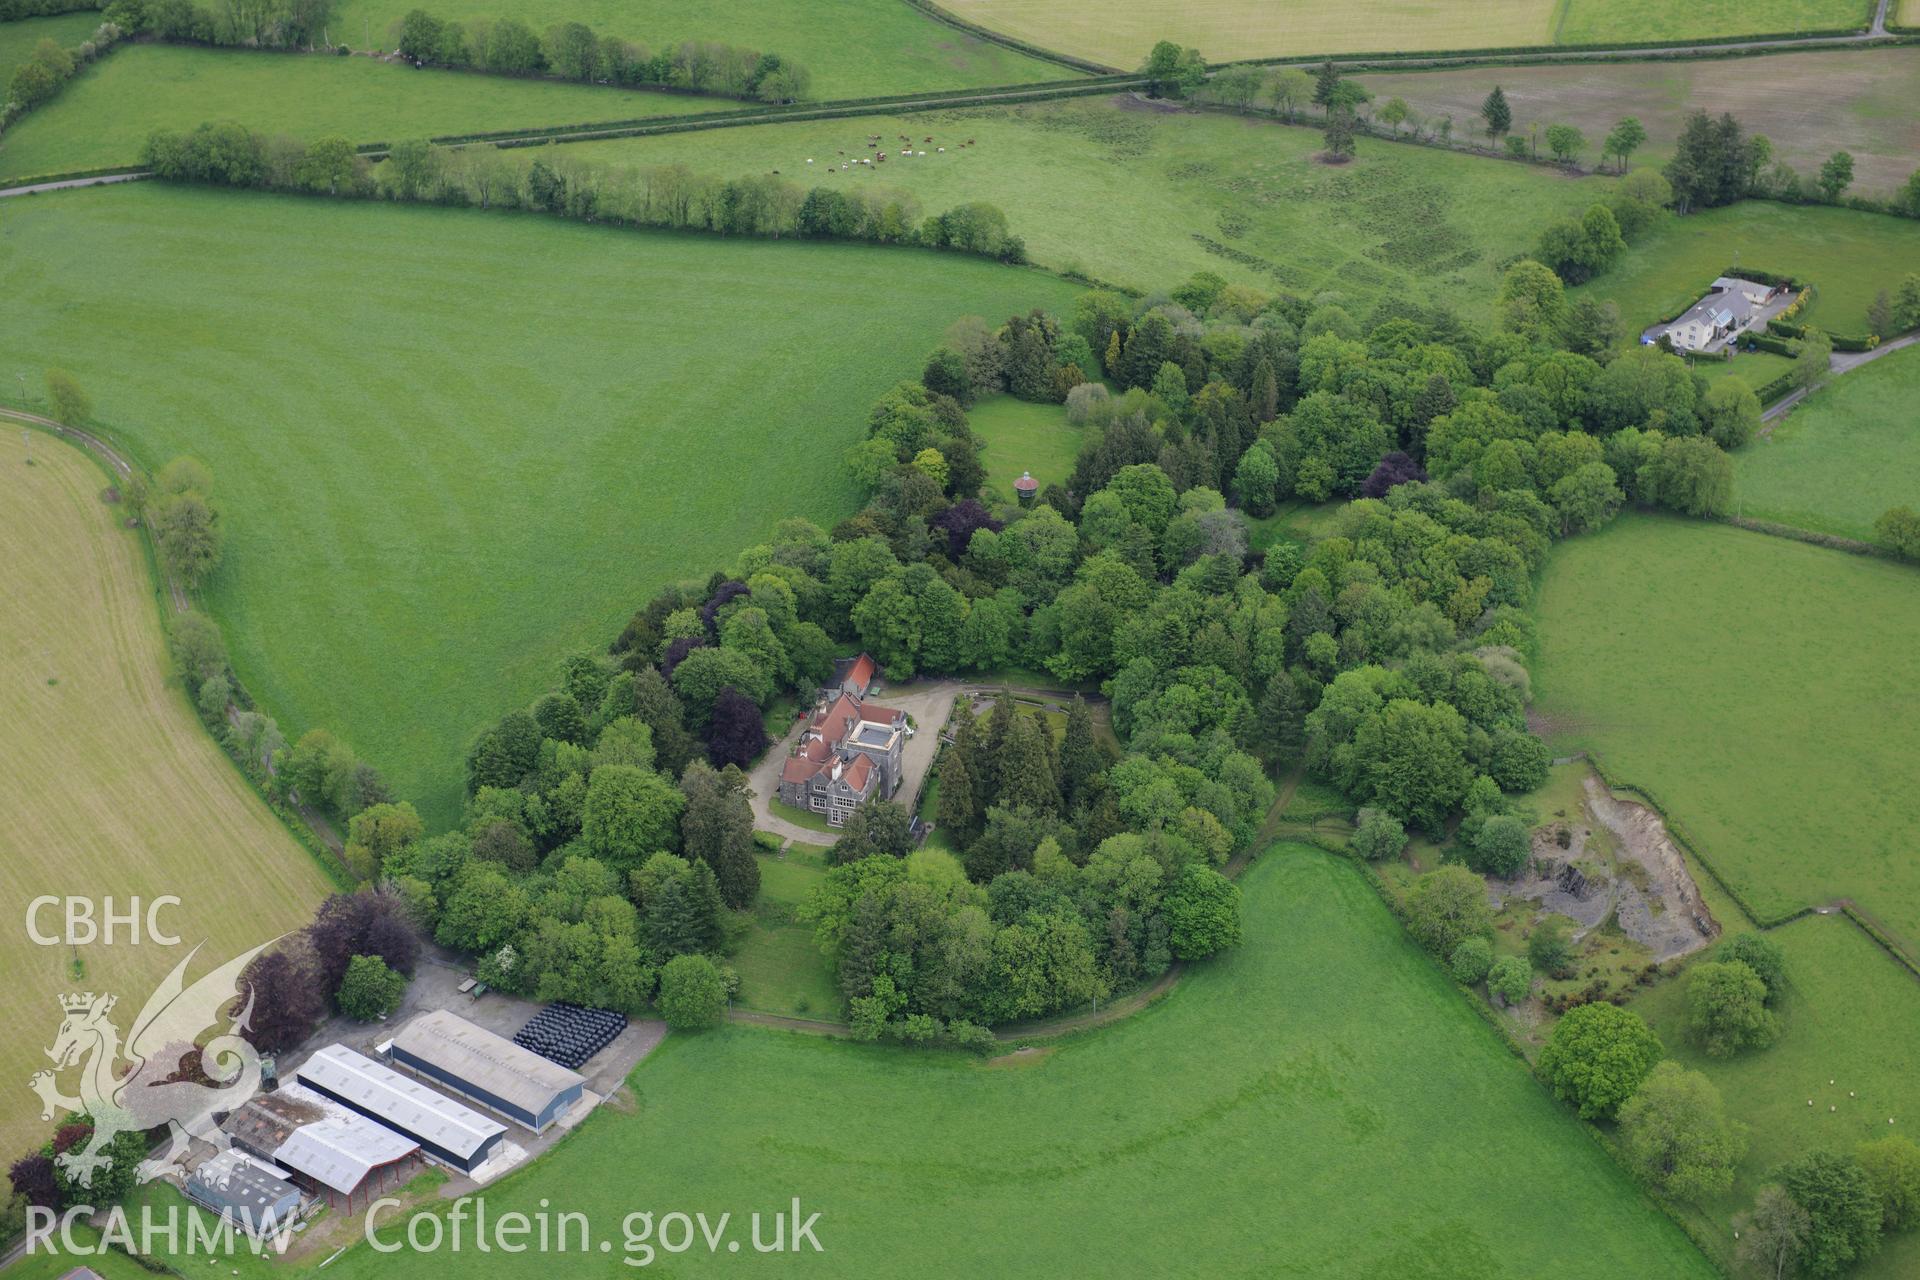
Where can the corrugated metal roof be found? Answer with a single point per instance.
(493, 1063)
(318, 1137)
(400, 1101)
(228, 1182)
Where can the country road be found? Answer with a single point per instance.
(1840, 362)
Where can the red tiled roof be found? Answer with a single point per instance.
(799, 768)
(832, 723)
(1026, 483)
(877, 714)
(858, 771)
(862, 673)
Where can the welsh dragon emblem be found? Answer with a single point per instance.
(136, 1084)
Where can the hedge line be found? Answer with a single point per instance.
(1768, 342)
(1794, 533)
(1680, 836)
(958, 23)
(1714, 47)
(647, 125)
(1872, 930)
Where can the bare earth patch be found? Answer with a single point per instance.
(1636, 874)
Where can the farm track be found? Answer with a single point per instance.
(1840, 362)
(649, 126)
(177, 594)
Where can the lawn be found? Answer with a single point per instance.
(1146, 197)
(1022, 436)
(853, 48)
(781, 968)
(18, 38)
(1600, 21)
(1297, 522)
(1759, 688)
(454, 447)
(1808, 105)
(1849, 256)
(1119, 32)
(104, 115)
(1372, 1123)
(1851, 1016)
(1841, 458)
(108, 784)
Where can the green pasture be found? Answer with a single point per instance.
(18, 38)
(1599, 21)
(854, 48)
(1145, 195)
(1758, 688)
(1022, 436)
(1850, 1016)
(1847, 255)
(1325, 1043)
(107, 112)
(454, 447)
(1808, 105)
(781, 967)
(1841, 457)
(1119, 32)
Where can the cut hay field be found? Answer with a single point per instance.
(1022, 436)
(1851, 1016)
(18, 38)
(1809, 105)
(108, 784)
(853, 48)
(1599, 21)
(1120, 32)
(1849, 256)
(1760, 688)
(1325, 1043)
(1842, 457)
(103, 116)
(1145, 197)
(455, 447)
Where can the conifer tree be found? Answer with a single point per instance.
(1079, 755)
(959, 812)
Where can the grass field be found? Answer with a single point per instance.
(108, 784)
(781, 968)
(1146, 197)
(853, 48)
(1843, 457)
(454, 447)
(1119, 32)
(1848, 256)
(1851, 1015)
(18, 38)
(1598, 21)
(1757, 687)
(1022, 436)
(1325, 1042)
(103, 116)
(1809, 105)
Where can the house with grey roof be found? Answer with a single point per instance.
(850, 752)
(1731, 307)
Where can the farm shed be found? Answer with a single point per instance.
(490, 1069)
(320, 1141)
(247, 1194)
(451, 1133)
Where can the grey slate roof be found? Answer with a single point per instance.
(492, 1063)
